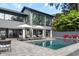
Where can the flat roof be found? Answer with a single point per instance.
(11, 11)
(35, 11)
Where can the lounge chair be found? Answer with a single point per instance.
(21, 38)
(38, 37)
(33, 38)
(5, 45)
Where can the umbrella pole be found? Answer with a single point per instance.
(23, 33)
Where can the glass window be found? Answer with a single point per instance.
(38, 19)
(8, 17)
(1, 16)
(14, 17)
(48, 21)
(27, 21)
(2, 32)
(20, 18)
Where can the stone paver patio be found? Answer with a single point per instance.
(20, 48)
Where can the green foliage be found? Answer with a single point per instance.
(64, 6)
(67, 22)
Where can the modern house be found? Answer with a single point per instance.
(40, 19)
(10, 19)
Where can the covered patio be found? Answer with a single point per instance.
(35, 30)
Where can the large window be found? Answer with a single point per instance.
(20, 18)
(8, 17)
(2, 32)
(38, 19)
(48, 21)
(27, 21)
(14, 17)
(1, 16)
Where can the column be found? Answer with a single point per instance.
(51, 33)
(4, 16)
(43, 34)
(45, 28)
(24, 34)
(31, 19)
(7, 32)
(32, 32)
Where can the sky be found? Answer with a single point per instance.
(43, 7)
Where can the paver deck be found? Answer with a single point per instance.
(76, 53)
(20, 48)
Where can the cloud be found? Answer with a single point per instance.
(27, 4)
(18, 6)
(48, 6)
(30, 4)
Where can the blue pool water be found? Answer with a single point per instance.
(53, 44)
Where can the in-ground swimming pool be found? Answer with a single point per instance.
(53, 44)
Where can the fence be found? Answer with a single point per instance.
(60, 34)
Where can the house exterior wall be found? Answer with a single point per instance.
(10, 24)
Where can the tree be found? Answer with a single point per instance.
(68, 22)
(65, 6)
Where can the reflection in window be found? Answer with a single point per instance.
(38, 19)
(20, 18)
(2, 32)
(27, 21)
(14, 17)
(1, 16)
(48, 21)
(8, 17)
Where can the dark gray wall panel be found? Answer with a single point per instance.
(10, 24)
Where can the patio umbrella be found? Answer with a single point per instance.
(38, 27)
(24, 26)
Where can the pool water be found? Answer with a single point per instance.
(53, 44)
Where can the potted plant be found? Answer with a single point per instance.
(3, 37)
